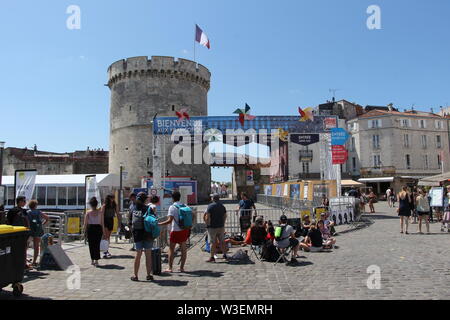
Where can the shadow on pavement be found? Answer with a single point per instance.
(121, 257)
(111, 267)
(170, 283)
(7, 295)
(205, 273)
(33, 275)
(299, 264)
(381, 217)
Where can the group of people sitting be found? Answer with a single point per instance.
(309, 236)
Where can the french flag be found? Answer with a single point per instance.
(201, 37)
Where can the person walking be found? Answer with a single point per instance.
(36, 220)
(372, 199)
(177, 235)
(142, 239)
(109, 210)
(93, 227)
(404, 208)
(388, 197)
(246, 205)
(363, 201)
(423, 209)
(215, 217)
(414, 195)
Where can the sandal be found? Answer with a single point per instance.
(133, 278)
(211, 260)
(150, 278)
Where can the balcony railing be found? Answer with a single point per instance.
(306, 155)
(377, 171)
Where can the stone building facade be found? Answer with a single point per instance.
(140, 89)
(391, 147)
(78, 162)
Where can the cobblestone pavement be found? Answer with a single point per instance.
(412, 267)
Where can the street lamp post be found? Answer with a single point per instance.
(121, 188)
(2, 146)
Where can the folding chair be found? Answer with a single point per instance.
(283, 252)
(256, 248)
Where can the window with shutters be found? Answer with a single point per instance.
(376, 141)
(406, 140)
(422, 124)
(425, 161)
(424, 141)
(408, 161)
(438, 142)
(377, 161)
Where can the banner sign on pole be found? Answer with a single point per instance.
(92, 190)
(339, 154)
(250, 181)
(338, 137)
(24, 183)
(330, 122)
(304, 139)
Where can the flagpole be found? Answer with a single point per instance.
(195, 35)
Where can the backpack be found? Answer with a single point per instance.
(279, 233)
(151, 223)
(35, 221)
(184, 216)
(269, 252)
(137, 219)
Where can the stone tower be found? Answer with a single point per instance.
(140, 88)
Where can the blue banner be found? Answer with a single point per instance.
(198, 125)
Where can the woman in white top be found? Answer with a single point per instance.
(423, 210)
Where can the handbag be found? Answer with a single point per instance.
(104, 245)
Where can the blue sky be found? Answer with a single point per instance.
(274, 55)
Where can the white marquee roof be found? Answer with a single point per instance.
(103, 180)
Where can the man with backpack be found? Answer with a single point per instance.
(285, 237)
(180, 219)
(143, 239)
(215, 217)
(17, 216)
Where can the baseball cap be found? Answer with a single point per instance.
(259, 219)
(283, 218)
(142, 196)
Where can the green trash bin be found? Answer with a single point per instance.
(13, 242)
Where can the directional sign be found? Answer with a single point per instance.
(338, 136)
(304, 139)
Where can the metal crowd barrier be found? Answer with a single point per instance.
(55, 226)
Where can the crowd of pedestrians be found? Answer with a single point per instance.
(309, 236)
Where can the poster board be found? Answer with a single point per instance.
(437, 197)
(24, 183)
(278, 190)
(295, 191)
(305, 191)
